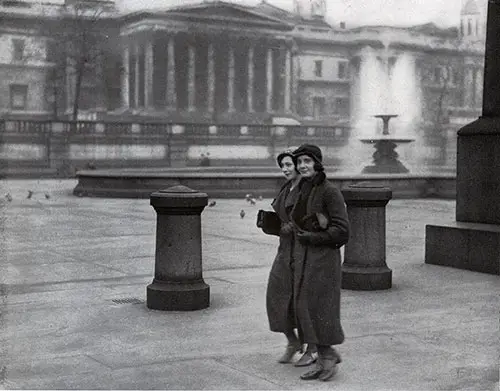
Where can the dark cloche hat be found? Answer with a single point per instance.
(310, 150)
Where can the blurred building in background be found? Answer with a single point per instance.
(223, 62)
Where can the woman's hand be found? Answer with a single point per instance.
(305, 237)
(286, 229)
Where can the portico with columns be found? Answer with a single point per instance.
(187, 61)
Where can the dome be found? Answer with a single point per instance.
(473, 7)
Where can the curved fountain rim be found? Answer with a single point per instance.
(123, 174)
(388, 138)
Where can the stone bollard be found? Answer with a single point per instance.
(178, 283)
(364, 266)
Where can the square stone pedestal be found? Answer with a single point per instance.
(470, 246)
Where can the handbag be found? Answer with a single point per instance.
(269, 222)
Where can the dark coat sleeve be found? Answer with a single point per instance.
(337, 233)
(272, 221)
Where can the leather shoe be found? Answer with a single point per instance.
(290, 351)
(314, 373)
(329, 369)
(339, 359)
(307, 359)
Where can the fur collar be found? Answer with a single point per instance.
(316, 180)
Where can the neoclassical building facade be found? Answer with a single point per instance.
(208, 59)
(225, 62)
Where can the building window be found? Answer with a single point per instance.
(341, 106)
(318, 106)
(342, 70)
(457, 77)
(454, 77)
(462, 28)
(469, 27)
(437, 75)
(18, 96)
(18, 49)
(318, 68)
(51, 51)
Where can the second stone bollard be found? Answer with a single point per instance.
(178, 282)
(364, 266)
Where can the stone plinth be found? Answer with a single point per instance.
(178, 282)
(468, 246)
(364, 266)
(472, 242)
(478, 172)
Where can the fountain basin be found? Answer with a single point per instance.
(385, 157)
(394, 139)
(236, 182)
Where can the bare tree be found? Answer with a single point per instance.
(77, 40)
(446, 80)
(443, 83)
(443, 88)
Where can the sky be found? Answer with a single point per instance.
(445, 13)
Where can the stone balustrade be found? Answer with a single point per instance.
(59, 148)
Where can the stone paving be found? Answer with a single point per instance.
(73, 283)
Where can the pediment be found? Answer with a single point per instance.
(227, 12)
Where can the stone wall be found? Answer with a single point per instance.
(62, 148)
(31, 147)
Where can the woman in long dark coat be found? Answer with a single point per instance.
(321, 227)
(279, 295)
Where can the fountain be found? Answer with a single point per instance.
(385, 157)
(385, 82)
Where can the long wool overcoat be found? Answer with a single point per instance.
(318, 275)
(279, 294)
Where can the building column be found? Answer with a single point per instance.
(148, 75)
(137, 76)
(250, 78)
(191, 77)
(288, 79)
(69, 86)
(125, 77)
(479, 87)
(101, 93)
(230, 81)
(211, 78)
(70, 83)
(468, 87)
(295, 79)
(171, 95)
(269, 80)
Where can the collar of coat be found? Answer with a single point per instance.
(316, 180)
(306, 189)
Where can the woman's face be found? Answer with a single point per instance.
(288, 168)
(305, 165)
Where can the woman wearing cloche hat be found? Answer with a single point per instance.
(321, 227)
(279, 294)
